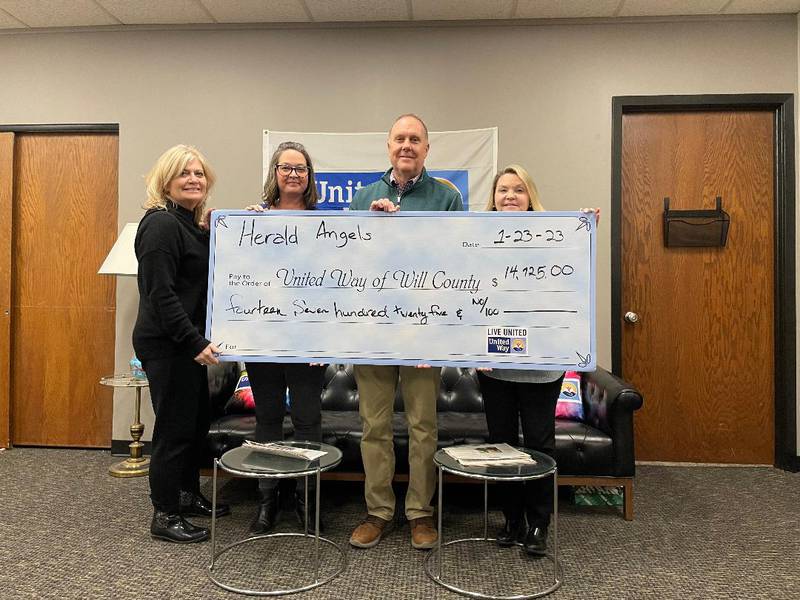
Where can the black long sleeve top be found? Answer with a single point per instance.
(173, 283)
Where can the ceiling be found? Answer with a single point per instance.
(28, 15)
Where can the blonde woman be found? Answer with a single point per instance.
(511, 396)
(172, 250)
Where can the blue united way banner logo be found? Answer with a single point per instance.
(337, 190)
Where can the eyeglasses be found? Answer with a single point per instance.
(285, 169)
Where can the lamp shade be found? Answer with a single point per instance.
(122, 258)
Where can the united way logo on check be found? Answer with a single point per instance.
(507, 340)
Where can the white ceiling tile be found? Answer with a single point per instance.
(17, 14)
(565, 9)
(659, 8)
(358, 10)
(156, 12)
(9, 22)
(58, 13)
(461, 10)
(256, 11)
(762, 7)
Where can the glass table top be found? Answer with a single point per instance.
(257, 462)
(543, 466)
(124, 380)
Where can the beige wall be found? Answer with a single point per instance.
(548, 89)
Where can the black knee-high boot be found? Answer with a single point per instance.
(267, 511)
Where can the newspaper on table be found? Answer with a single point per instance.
(489, 455)
(288, 450)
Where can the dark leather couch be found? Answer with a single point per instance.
(596, 452)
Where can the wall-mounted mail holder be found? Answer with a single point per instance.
(695, 228)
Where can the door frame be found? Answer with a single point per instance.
(5, 259)
(782, 108)
(62, 128)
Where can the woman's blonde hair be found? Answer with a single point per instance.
(272, 194)
(168, 166)
(533, 193)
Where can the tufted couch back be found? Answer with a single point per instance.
(459, 390)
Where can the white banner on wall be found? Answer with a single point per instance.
(346, 162)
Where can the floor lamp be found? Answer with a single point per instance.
(121, 261)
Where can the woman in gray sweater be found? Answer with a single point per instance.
(512, 396)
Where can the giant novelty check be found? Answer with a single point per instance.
(486, 289)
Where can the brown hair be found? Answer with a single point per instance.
(271, 193)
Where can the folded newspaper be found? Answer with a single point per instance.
(489, 455)
(284, 450)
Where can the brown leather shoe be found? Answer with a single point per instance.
(423, 534)
(370, 532)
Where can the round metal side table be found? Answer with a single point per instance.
(246, 462)
(544, 467)
(135, 465)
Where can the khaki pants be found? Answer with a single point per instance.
(376, 389)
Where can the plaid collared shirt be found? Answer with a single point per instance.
(402, 189)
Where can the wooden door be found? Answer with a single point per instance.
(702, 350)
(6, 196)
(64, 221)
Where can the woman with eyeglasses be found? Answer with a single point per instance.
(514, 396)
(290, 186)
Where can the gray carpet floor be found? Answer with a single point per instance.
(69, 530)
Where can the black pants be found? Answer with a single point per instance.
(179, 391)
(269, 382)
(506, 403)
